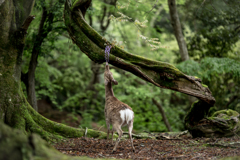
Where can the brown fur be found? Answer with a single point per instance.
(112, 109)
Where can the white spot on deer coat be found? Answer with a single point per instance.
(126, 115)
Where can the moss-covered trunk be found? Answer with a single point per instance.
(14, 108)
(16, 111)
(14, 24)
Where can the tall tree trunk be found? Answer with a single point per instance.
(179, 36)
(13, 25)
(178, 29)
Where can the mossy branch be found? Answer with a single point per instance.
(161, 74)
(45, 127)
(30, 121)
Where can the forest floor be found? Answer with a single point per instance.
(197, 148)
(169, 148)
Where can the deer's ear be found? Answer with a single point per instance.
(105, 82)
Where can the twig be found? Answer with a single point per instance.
(86, 132)
(201, 5)
(152, 8)
(100, 127)
(212, 5)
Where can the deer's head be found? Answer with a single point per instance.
(108, 77)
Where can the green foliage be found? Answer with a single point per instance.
(221, 75)
(87, 119)
(215, 26)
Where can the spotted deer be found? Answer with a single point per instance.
(117, 113)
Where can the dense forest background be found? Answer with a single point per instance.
(67, 80)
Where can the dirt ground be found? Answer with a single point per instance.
(186, 148)
(198, 148)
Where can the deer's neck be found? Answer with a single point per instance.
(108, 90)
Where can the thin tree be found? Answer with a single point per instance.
(165, 120)
(178, 30)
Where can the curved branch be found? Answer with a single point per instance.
(161, 74)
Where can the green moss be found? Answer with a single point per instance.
(226, 117)
(226, 113)
(60, 130)
(204, 85)
(224, 123)
(14, 144)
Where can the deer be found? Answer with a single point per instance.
(116, 112)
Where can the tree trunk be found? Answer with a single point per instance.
(163, 115)
(13, 29)
(178, 30)
(14, 108)
(33, 62)
(42, 34)
(161, 74)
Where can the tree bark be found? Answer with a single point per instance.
(13, 26)
(163, 115)
(161, 74)
(178, 30)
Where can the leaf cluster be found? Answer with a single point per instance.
(215, 27)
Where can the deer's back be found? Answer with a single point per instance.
(113, 107)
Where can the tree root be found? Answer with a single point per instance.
(30, 121)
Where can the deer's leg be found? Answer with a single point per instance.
(112, 134)
(120, 132)
(108, 128)
(130, 127)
